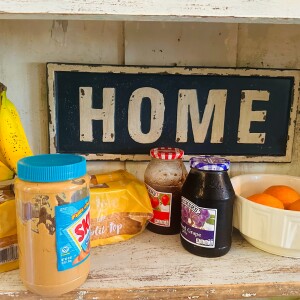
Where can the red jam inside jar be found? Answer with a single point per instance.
(164, 177)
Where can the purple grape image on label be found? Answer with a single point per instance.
(185, 213)
(198, 220)
(193, 218)
(205, 213)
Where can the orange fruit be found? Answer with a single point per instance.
(284, 193)
(267, 200)
(294, 205)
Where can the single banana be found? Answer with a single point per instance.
(5, 172)
(13, 141)
(2, 159)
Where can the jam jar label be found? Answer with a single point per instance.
(198, 224)
(72, 233)
(161, 203)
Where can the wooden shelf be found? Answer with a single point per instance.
(152, 266)
(230, 11)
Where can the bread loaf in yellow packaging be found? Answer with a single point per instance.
(8, 230)
(120, 207)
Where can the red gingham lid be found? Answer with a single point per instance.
(166, 153)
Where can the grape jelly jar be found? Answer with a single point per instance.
(164, 177)
(207, 207)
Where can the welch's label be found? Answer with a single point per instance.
(198, 224)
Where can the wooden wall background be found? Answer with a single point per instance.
(27, 45)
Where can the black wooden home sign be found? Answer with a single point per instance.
(114, 112)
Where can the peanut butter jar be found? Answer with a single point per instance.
(53, 222)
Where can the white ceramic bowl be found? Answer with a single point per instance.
(274, 230)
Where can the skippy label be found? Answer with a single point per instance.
(72, 233)
(198, 224)
(161, 203)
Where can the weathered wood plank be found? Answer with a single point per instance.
(182, 44)
(227, 45)
(270, 46)
(235, 11)
(26, 47)
(152, 266)
(246, 291)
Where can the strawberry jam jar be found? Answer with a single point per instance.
(164, 177)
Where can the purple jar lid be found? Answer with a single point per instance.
(210, 163)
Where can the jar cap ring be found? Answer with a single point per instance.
(209, 163)
(51, 167)
(166, 153)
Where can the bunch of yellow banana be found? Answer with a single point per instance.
(13, 141)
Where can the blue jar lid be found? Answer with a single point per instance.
(210, 163)
(51, 167)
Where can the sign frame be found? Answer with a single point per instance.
(52, 68)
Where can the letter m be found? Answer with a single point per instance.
(188, 106)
